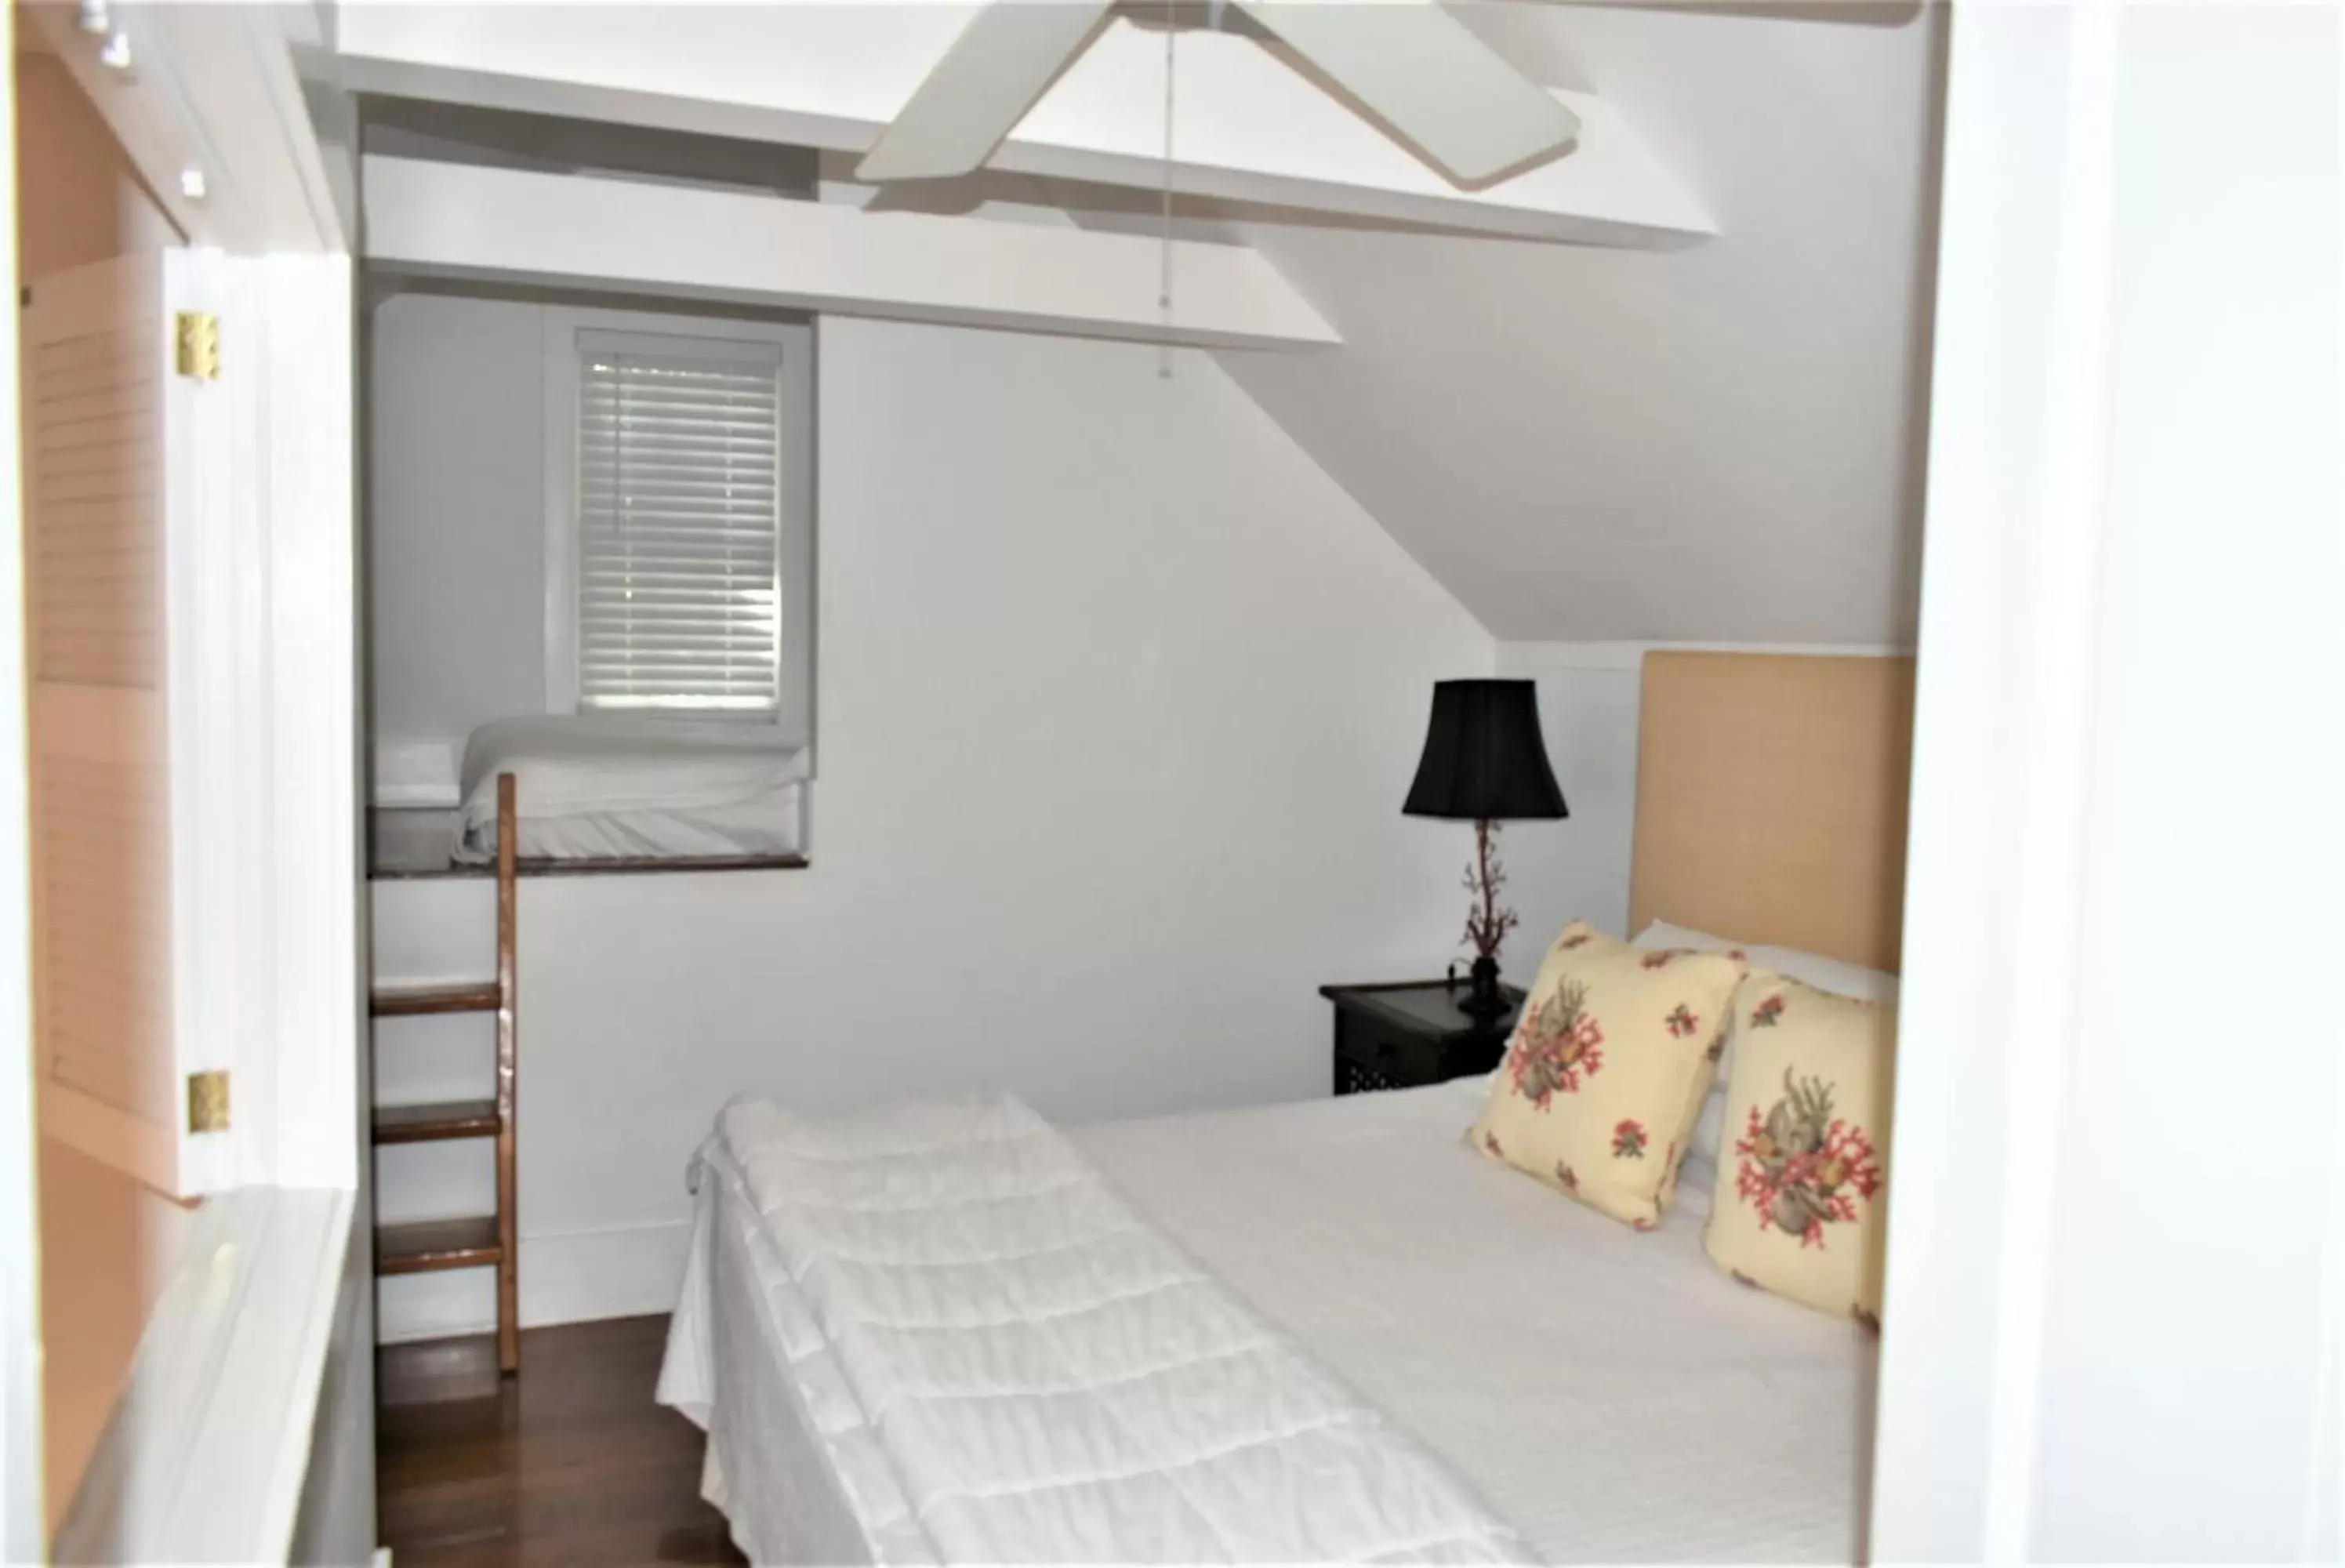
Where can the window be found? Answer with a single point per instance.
(679, 524)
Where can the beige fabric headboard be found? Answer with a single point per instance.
(1771, 800)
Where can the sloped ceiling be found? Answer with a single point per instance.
(1717, 443)
(1721, 442)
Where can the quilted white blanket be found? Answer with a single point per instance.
(1031, 1373)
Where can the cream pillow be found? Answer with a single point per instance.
(1607, 1070)
(1824, 974)
(1802, 1178)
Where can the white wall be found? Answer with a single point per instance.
(1119, 698)
(1577, 868)
(456, 525)
(2115, 1325)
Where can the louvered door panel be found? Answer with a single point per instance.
(93, 409)
(103, 885)
(109, 432)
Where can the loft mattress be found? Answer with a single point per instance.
(625, 787)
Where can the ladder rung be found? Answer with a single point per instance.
(400, 1001)
(430, 1123)
(419, 1248)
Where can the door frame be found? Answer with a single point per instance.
(23, 1509)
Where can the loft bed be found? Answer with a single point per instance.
(593, 795)
(610, 794)
(407, 844)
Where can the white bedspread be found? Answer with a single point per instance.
(1610, 1393)
(1006, 1363)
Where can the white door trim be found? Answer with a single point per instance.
(2004, 694)
(2130, 584)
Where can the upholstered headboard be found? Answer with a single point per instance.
(1771, 800)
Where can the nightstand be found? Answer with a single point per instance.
(1397, 1036)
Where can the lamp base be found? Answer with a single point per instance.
(1483, 999)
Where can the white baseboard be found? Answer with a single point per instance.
(567, 1277)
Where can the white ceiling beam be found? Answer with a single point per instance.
(1247, 127)
(463, 221)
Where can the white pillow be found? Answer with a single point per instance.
(1708, 1137)
(1696, 1176)
(1810, 968)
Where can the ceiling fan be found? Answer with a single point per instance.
(1406, 63)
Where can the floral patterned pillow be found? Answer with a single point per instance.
(1606, 1073)
(1803, 1175)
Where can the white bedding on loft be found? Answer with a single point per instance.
(610, 787)
(1609, 1393)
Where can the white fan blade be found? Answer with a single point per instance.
(1417, 69)
(981, 89)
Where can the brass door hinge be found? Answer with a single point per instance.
(207, 1101)
(196, 335)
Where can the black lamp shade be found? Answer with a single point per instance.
(1484, 757)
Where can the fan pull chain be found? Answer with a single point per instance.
(1164, 260)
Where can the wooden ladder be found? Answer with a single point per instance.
(475, 1242)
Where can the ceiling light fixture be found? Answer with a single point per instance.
(92, 19)
(116, 53)
(191, 184)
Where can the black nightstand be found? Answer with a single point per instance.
(1397, 1036)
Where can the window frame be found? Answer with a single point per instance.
(564, 327)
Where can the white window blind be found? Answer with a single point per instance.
(679, 522)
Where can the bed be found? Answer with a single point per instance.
(1606, 1394)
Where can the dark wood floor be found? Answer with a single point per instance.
(568, 1464)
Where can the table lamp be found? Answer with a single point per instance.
(1485, 762)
